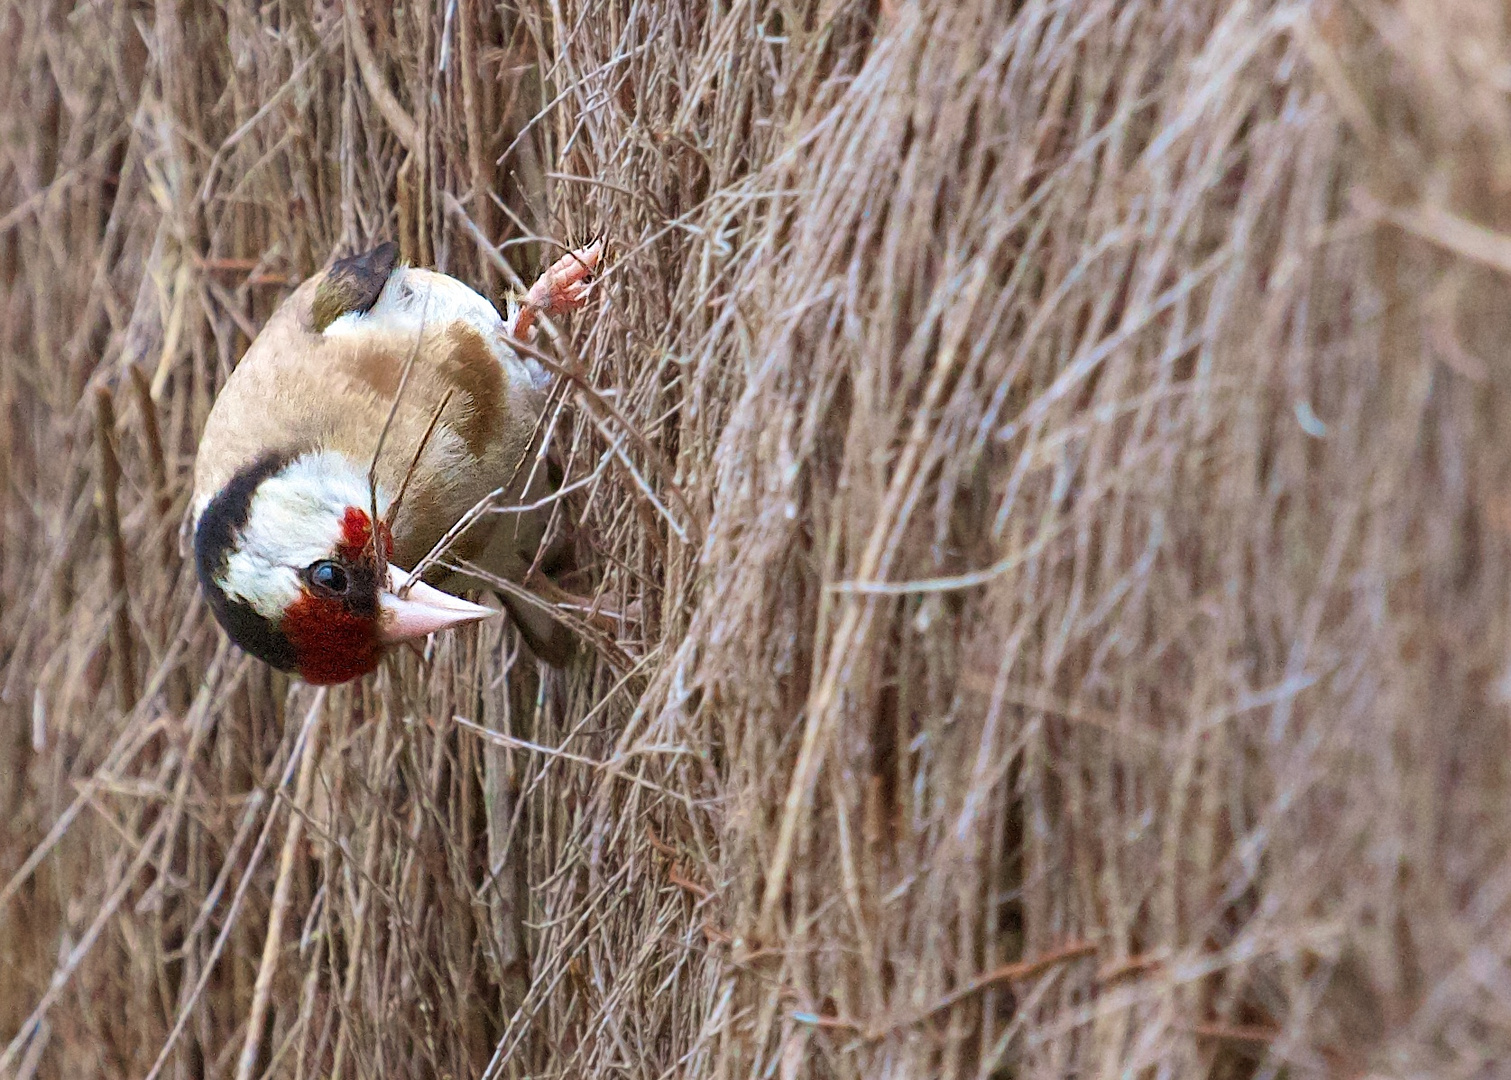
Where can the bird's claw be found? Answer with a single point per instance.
(562, 288)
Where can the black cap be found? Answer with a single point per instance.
(219, 529)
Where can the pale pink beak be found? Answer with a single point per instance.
(424, 611)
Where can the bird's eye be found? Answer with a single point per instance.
(328, 576)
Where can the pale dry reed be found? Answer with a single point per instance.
(1055, 456)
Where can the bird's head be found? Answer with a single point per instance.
(289, 564)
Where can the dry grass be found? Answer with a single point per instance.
(1058, 453)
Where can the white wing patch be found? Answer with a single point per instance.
(295, 519)
(415, 301)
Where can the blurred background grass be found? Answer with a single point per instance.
(1055, 450)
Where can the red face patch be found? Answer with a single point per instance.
(331, 644)
(356, 534)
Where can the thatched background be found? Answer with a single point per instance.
(1152, 354)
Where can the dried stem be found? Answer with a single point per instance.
(273, 942)
(122, 640)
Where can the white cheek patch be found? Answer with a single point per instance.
(415, 299)
(295, 519)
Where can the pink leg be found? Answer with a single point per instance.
(562, 288)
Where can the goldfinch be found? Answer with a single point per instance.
(289, 555)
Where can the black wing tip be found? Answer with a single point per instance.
(353, 284)
(380, 259)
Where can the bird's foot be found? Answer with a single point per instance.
(562, 288)
(590, 610)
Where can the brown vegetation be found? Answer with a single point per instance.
(1056, 454)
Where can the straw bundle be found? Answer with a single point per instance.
(1054, 457)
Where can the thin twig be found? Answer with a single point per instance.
(207, 970)
(122, 651)
(399, 121)
(282, 889)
